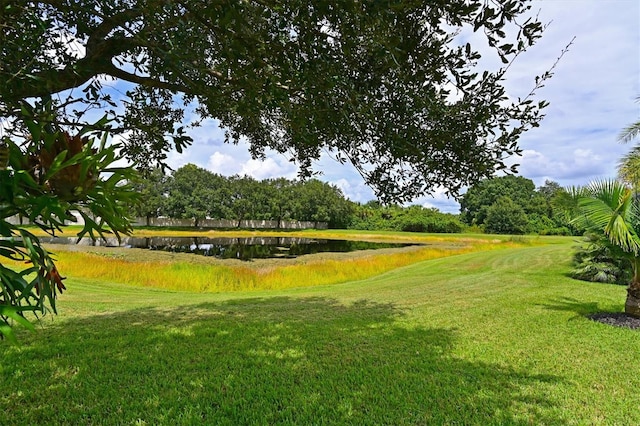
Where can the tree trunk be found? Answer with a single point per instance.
(632, 305)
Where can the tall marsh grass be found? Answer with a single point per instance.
(185, 276)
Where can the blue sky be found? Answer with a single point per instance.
(592, 94)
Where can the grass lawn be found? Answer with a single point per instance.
(490, 337)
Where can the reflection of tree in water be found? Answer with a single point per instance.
(237, 248)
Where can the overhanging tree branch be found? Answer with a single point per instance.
(147, 81)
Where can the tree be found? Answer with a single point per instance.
(281, 199)
(597, 260)
(152, 190)
(374, 216)
(475, 203)
(419, 219)
(386, 87)
(245, 198)
(629, 169)
(550, 189)
(550, 216)
(610, 209)
(318, 201)
(565, 205)
(506, 217)
(218, 196)
(629, 165)
(544, 208)
(190, 193)
(630, 132)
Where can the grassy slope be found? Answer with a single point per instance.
(485, 338)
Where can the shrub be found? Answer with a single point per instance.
(598, 261)
(408, 219)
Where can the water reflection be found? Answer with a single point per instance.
(233, 248)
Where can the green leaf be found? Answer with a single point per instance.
(56, 165)
(7, 332)
(14, 313)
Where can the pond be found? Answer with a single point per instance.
(233, 248)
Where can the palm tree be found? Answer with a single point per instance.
(610, 208)
(629, 165)
(630, 132)
(629, 169)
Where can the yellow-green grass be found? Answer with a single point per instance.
(190, 273)
(490, 337)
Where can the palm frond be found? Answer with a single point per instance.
(629, 133)
(595, 212)
(569, 206)
(634, 214)
(609, 209)
(629, 167)
(577, 192)
(622, 234)
(611, 192)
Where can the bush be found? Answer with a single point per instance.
(561, 230)
(409, 219)
(429, 224)
(599, 261)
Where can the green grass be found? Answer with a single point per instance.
(495, 337)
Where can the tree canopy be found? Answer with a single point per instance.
(481, 196)
(512, 205)
(631, 132)
(629, 165)
(386, 86)
(196, 193)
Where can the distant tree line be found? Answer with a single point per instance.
(513, 205)
(192, 192)
(501, 205)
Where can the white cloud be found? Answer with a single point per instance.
(271, 167)
(223, 164)
(354, 189)
(580, 164)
